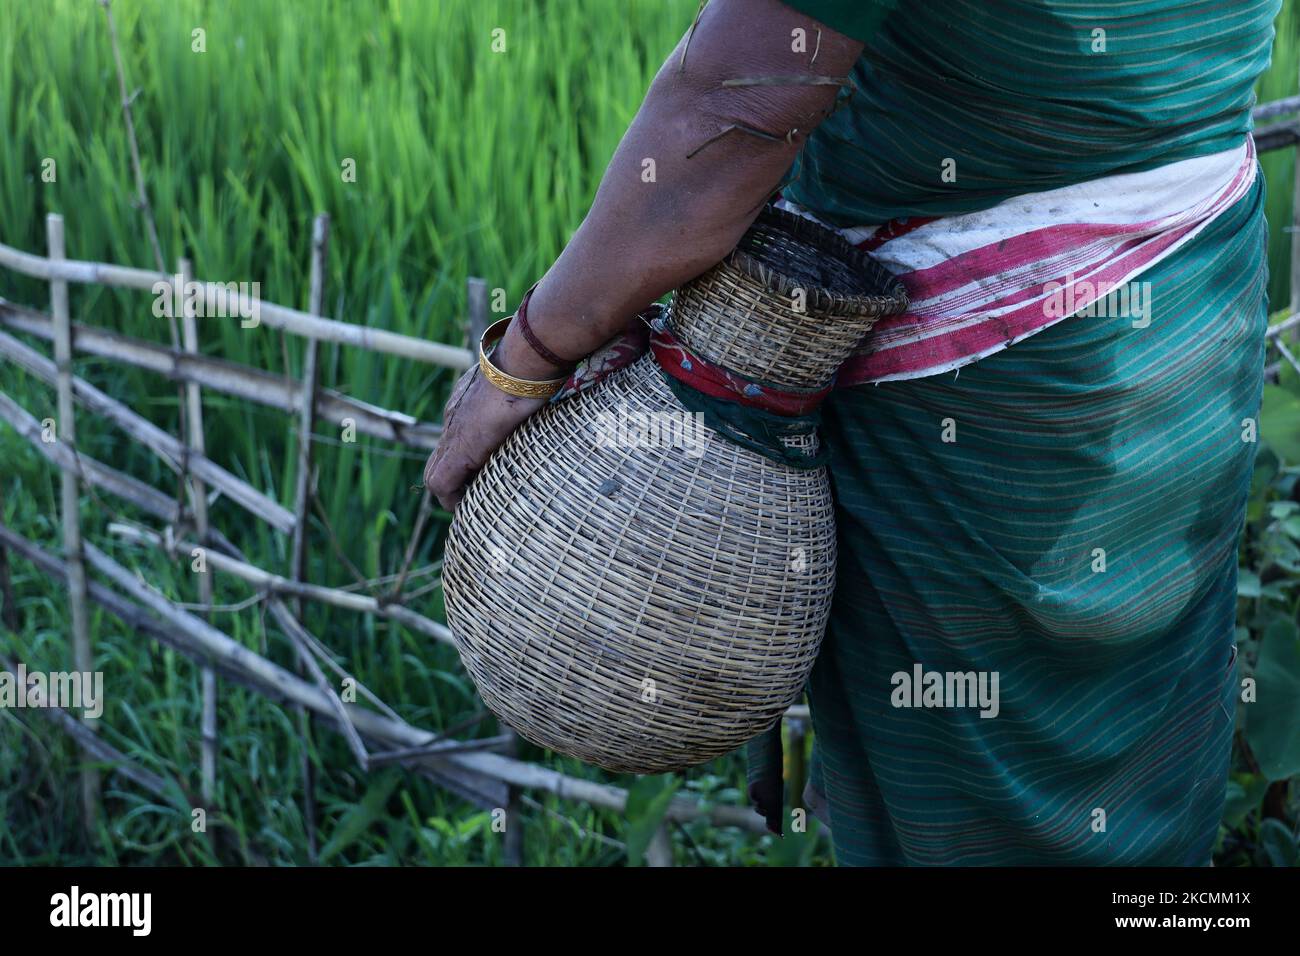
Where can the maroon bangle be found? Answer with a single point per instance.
(522, 318)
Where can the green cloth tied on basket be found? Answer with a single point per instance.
(751, 414)
(754, 428)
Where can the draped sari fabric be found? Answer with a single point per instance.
(1040, 489)
(1064, 515)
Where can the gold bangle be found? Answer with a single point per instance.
(519, 387)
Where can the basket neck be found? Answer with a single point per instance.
(761, 334)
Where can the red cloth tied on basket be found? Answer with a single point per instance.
(717, 382)
(651, 331)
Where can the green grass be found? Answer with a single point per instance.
(468, 162)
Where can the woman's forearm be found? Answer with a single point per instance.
(681, 188)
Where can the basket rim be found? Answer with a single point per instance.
(890, 300)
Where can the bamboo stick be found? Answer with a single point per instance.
(443, 746)
(659, 852)
(82, 654)
(229, 378)
(277, 584)
(307, 405)
(72, 270)
(199, 503)
(310, 668)
(1276, 136)
(1288, 323)
(302, 493)
(477, 307)
(152, 437)
(1289, 104)
(1287, 354)
(216, 299)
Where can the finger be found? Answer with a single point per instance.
(450, 501)
(431, 466)
(450, 478)
(447, 440)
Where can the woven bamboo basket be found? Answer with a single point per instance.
(646, 606)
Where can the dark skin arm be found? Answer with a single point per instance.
(642, 239)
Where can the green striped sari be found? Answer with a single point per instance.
(1115, 669)
(1061, 516)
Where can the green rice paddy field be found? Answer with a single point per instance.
(468, 163)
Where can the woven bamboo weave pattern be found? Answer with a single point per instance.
(819, 294)
(648, 605)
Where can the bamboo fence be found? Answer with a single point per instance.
(483, 771)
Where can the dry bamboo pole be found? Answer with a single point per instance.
(1289, 104)
(303, 644)
(477, 306)
(307, 404)
(302, 495)
(229, 378)
(276, 584)
(199, 503)
(219, 298)
(82, 654)
(161, 443)
(1286, 324)
(1276, 135)
(659, 851)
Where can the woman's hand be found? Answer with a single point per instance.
(477, 419)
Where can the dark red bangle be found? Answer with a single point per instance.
(522, 317)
